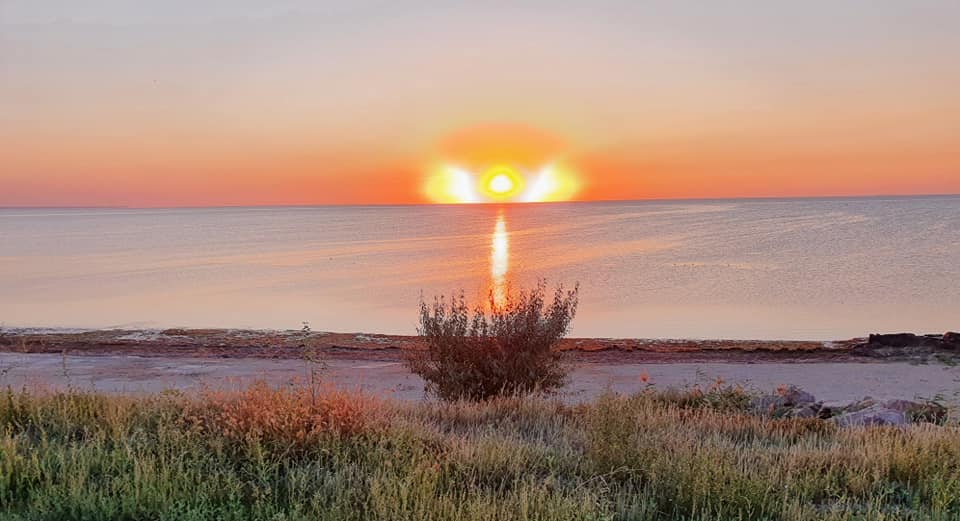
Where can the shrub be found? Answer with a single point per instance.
(510, 350)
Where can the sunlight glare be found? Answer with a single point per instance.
(498, 260)
(551, 183)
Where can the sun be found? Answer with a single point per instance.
(501, 182)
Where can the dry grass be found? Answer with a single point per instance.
(296, 417)
(294, 454)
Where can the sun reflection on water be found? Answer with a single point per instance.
(498, 259)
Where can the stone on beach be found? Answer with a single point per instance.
(793, 395)
(777, 403)
(901, 340)
(951, 340)
(796, 403)
(893, 412)
(918, 411)
(948, 340)
(875, 414)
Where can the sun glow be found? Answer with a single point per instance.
(450, 184)
(500, 163)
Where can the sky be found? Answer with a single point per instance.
(185, 103)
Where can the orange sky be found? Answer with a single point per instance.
(247, 105)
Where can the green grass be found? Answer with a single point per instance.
(293, 454)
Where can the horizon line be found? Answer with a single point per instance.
(481, 204)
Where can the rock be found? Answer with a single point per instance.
(796, 396)
(787, 402)
(918, 411)
(906, 345)
(892, 340)
(768, 403)
(809, 410)
(831, 409)
(867, 401)
(888, 412)
(784, 403)
(793, 402)
(875, 414)
(902, 340)
(951, 340)
(904, 406)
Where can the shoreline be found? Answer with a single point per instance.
(290, 344)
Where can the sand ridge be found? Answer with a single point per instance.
(290, 344)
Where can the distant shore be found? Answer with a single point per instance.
(290, 344)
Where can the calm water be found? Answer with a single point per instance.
(817, 269)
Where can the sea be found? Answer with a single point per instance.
(812, 269)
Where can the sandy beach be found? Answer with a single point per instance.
(831, 381)
(152, 361)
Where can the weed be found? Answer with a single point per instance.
(510, 350)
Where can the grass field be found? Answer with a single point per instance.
(298, 453)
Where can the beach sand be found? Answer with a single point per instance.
(136, 374)
(153, 361)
